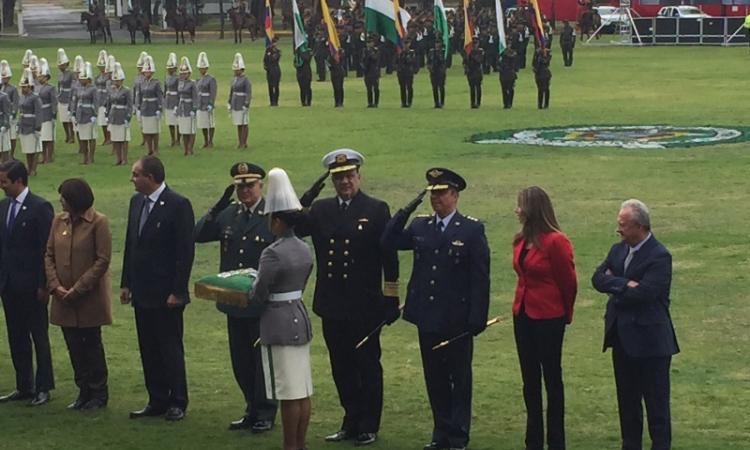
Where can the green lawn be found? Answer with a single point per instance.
(699, 211)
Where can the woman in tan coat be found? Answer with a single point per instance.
(79, 249)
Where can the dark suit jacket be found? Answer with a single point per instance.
(351, 265)
(22, 248)
(641, 314)
(242, 242)
(449, 288)
(158, 262)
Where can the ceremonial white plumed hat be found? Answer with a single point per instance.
(26, 60)
(185, 65)
(202, 61)
(34, 63)
(239, 63)
(62, 57)
(110, 66)
(43, 67)
(148, 64)
(78, 64)
(85, 72)
(172, 61)
(141, 59)
(27, 78)
(102, 60)
(118, 74)
(280, 195)
(5, 71)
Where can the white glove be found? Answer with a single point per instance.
(209, 108)
(244, 108)
(175, 110)
(192, 113)
(126, 122)
(158, 115)
(73, 120)
(93, 119)
(229, 107)
(3, 129)
(138, 113)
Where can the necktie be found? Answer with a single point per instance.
(12, 215)
(344, 206)
(629, 258)
(144, 214)
(439, 226)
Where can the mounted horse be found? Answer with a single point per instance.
(241, 21)
(135, 22)
(96, 23)
(181, 24)
(589, 21)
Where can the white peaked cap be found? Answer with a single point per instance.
(141, 59)
(44, 67)
(280, 195)
(202, 61)
(102, 60)
(27, 78)
(239, 63)
(148, 64)
(185, 65)
(172, 61)
(85, 72)
(62, 57)
(26, 60)
(5, 71)
(110, 66)
(118, 74)
(34, 63)
(78, 63)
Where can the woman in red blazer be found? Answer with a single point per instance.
(543, 306)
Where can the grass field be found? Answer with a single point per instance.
(698, 197)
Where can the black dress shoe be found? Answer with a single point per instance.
(94, 403)
(16, 396)
(262, 426)
(174, 413)
(242, 423)
(341, 435)
(365, 439)
(39, 399)
(78, 404)
(147, 411)
(435, 446)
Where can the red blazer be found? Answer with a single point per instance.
(547, 284)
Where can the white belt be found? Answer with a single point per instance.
(121, 106)
(65, 89)
(46, 105)
(187, 100)
(149, 99)
(285, 296)
(28, 116)
(85, 105)
(171, 93)
(241, 94)
(205, 94)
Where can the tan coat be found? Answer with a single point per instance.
(78, 256)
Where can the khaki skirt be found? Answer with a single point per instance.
(205, 119)
(149, 125)
(286, 370)
(101, 117)
(63, 113)
(169, 117)
(186, 125)
(30, 143)
(118, 133)
(240, 117)
(87, 131)
(48, 131)
(5, 141)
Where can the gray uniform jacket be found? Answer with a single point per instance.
(86, 99)
(120, 105)
(49, 102)
(102, 84)
(188, 98)
(284, 267)
(171, 86)
(5, 109)
(30, 114)
(137, 87)
(65, 86)
(151, 97)
(240, 93)
(15, 99)
(207, 91)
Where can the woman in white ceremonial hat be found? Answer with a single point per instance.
(137, 84)
(34, 67)
(29, 121)
(150, 107)
(102, 82)
(8, 89)
(5, 115)
(26, 60)
(285, 331)
(48, 94)
(65, 83)
(119, 113)
(240, 94)
(207, 92)
(78, 66)
(186, 108)
(85, 113)
(171, 98)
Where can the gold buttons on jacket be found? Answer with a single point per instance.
(434, 267)
(437, 251)
(330, 264)
(432, 282)
(242, 251)
(346, 276)
(330, 275)
(244, 238)
(346, 253)
(240, 265)
(432, 298)
(332, 241)
(330, 252)
(346, 241)
(346, 264)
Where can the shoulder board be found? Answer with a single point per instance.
(474, 219)
(424, 215)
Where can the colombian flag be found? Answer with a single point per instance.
(539, 26)
(333, 36)
(268, 23)
(468, 28)
(399, 27)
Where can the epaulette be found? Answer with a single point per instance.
(424, 215)
(473, 219)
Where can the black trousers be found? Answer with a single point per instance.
(305, 90)
(273, 89)
(438, 89)
(475, 90)
(509, 91)
(539, 345)
(542, 92)
(567, 54)
(447, 376)
(357, 373)
(320, 67)
(162, 355)
(406, 84)
(373, 90)
(248, 367)
(89, 363)
(338, 90)
(638, 381)
(26, 321)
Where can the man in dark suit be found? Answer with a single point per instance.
(243, 232)
(637, 275)
(158, 257)
(25, 220)
(448, 295)
(351, 266)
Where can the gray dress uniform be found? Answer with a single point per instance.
(30, 114)
(15, 101)
(49, 102)
(207, 89)
(65, 90)
(171, 97)
(152, 97)
(5, 109)
(85, 105)
(240, 93)
(188, 94)
(119, 106)
(137, 91)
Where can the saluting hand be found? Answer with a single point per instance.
(412, 206)
(224, 201)
(312, 193)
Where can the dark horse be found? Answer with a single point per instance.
(589, 21)
(135, 23)
(240, 22)
(181, 24)
(96, 23)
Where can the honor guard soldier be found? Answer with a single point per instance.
(84, 112)
(406, 65)
(321, 52)
(542, 75)
(65, 80)
(152, 98)
(302, 58)
(360, 43)
(448, 295)
(338, 74)
(5, 112)
(273, 71)
(242, 230)
(29, 120)
(137, 81)
(349, 296)
(102, 82)
(75, 91)
(240, 94)
(187, 106)
(436, 65)
(119, 113)
(371, 67)
(8, 89)
(26, 60)
(485, 43)
(172, 98)
(473, 70)
(508, 76)
(34, 66)
(567, 43)
(207, 98)
(110, 70)
(48, 94)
